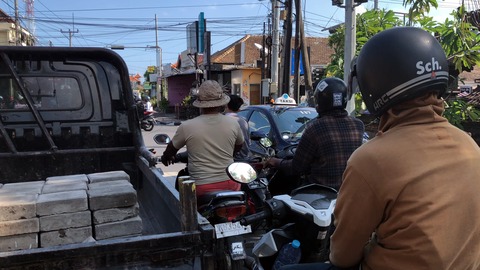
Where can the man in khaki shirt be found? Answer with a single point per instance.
(211, 139)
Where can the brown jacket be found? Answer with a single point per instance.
(416, 185)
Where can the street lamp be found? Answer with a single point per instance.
(158, 49)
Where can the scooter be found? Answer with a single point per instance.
(257, 191)
(221, 208)
(305, 215)
(148, 122)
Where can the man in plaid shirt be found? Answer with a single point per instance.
(328, 140)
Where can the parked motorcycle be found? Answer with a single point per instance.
(305, 215)
(148, 121)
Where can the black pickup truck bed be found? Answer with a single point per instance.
(71, 111)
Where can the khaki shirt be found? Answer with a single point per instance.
(416, 185)
(210, 141)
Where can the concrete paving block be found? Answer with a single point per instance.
(109, 184)
(65, 221)
(108, 176)
(90, 239)
(132, 226)
(19, 226)
(115, 214)
(15, 206)
(112, 197)
(18, 242)
(65, 236)
(62, 202)
(57, 186)
(68, 178)
(32, 187)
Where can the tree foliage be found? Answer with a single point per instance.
(459, 39)
(418, 9)
(368, 24)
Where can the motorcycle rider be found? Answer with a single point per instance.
(328, 140)
(232, 109)
(415, 185)
(147, 104)
(211, 139)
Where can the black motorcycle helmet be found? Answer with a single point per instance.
(330, 93)
(399, 64)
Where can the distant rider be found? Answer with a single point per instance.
(211, 139)
(147, 104)
(232, 109)
(328, 140)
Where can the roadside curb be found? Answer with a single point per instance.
(166, 119)
(169, 123)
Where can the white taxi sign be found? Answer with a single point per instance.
(285, 100)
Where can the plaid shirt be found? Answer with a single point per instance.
(325, 146)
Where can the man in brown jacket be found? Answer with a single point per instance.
(409, 198)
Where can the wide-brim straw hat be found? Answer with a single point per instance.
(210, 94)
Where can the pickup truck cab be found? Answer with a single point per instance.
(70, 111)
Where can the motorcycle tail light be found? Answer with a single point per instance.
(231, 212)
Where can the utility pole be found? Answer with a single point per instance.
(17, 37)
(287, 48)
(350, 43)
(207, 55)
(70, 32)
(307, 73)
(158, 52)
(297, 47)
(275, 47)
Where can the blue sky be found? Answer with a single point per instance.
(102, 23)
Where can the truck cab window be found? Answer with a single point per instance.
(48, 93)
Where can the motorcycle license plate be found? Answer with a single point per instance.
(231, 229)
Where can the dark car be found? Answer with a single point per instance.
(282, 124)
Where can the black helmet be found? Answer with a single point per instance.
(330, 93)
(399, 64)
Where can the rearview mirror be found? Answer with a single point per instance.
(241, 172)
(261, 138)
(161, 139)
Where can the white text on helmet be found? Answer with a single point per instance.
(381, 101)
(427, 67)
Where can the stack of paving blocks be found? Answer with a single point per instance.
(68, 209)
(114, 206)
(19, 224)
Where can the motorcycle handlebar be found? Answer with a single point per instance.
(255, 217)
(182, 157)
(179, 157)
